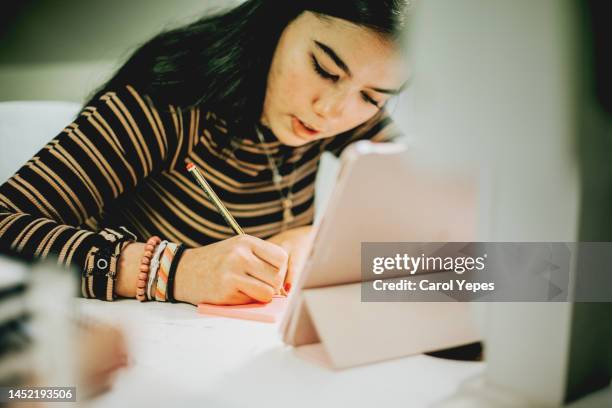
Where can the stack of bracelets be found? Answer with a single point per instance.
(157, 270)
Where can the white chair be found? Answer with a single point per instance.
(26, 126)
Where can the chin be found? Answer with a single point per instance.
(287, 138)
(292, 141)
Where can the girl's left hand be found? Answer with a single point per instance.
(297, 243)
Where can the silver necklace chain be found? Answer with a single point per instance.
(277, 178)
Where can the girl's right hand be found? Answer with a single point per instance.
(238, 270)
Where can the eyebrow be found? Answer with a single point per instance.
(389, 91)
(342, 65)
(332, 54)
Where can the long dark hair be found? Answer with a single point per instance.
(222, 60)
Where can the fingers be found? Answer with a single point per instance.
(265, 272)
(290, 273)
(294, 268)
(237, 298)
(270, 253)
(254, 288)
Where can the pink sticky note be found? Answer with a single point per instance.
(261, 312)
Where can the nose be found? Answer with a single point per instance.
(331, 104)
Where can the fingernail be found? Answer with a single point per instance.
(287, 287)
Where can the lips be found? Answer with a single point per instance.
(307, 126)
(302, 129)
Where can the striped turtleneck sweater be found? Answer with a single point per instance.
(120, 167)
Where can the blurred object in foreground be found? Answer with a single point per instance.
(45, 341)
(15, 341)
(519, 92)
(50, 297)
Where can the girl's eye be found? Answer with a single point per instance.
(331, 77)
(322, 72)
(369, 99)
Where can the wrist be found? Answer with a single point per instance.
(128, 268)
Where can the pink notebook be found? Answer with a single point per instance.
(261, 312)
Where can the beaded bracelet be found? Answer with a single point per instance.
(143, 275)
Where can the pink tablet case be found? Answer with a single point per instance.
(260, 312)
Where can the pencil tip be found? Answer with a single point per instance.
(189, 166)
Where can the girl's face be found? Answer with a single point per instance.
(328, 76)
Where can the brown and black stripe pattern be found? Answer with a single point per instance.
(121, 163)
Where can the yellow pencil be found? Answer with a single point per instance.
(212, 196)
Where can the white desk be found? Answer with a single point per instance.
(180, 358)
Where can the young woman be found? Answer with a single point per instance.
(253, 97)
